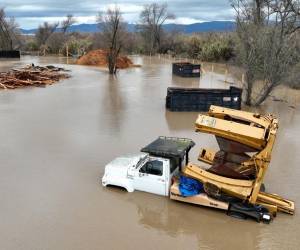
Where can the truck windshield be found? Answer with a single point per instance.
(154, 167)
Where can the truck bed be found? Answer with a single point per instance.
(201, 199)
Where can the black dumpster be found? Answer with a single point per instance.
(186, 69)
(196, 99)
(9, 54)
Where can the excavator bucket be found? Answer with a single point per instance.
(238, 168)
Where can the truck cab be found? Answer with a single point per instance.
(151, 170)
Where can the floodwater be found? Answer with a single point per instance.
(55, 142)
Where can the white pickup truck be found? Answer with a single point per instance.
(152, 170)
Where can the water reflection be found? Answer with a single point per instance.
(209, 227)
(176, 123)
(178, 81)
(113, 103)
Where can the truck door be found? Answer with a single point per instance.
(151, 177)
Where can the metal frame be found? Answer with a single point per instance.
(254, 131)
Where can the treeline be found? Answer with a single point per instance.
(202, 46)
(149, 38)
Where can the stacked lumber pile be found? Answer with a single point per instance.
(31, 76)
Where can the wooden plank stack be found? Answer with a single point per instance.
(32, 76)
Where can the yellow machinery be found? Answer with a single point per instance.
(246, 141)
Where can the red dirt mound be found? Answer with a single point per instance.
(99, 58)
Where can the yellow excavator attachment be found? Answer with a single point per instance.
(238, 188)
(246, 141)
(248, 135)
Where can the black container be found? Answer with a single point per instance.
(9, 54)
(186, 69)
(195, 99)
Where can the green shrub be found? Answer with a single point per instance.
(216, 51)
(31, 46)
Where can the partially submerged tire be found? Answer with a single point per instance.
(244, 211)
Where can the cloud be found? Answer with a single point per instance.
(184, 20)
(30, 13)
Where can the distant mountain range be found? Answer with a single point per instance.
(188, 28)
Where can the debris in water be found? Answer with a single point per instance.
(31, 75)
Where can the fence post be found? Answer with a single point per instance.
(67, 48)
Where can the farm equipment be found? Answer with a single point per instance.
(237, 170)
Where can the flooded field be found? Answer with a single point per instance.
(55, 142)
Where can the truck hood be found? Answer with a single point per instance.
(120, 165)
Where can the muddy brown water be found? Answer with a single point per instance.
(55, 142)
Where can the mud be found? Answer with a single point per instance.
(56, 141)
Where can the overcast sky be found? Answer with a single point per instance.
(30, 13)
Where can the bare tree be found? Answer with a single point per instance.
(113, 33)
(55, 42)
(267, 46)
(9, 32)
(43, 33)
(5, 39)
(64, 36)
(67, 23)
(152, 19)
